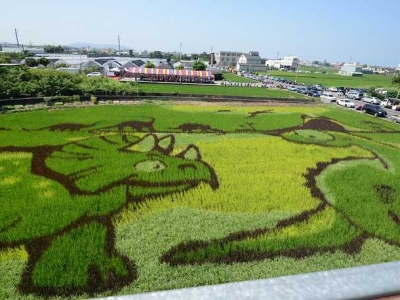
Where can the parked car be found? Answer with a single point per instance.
(301, 90)
(346, 103)
(333, 89)
(93, 74)
(386, 104)
(292, 88)
(396, 107)
(355, 95)
(375, 110)
(312, 93)
(327, 97)
(372, 100)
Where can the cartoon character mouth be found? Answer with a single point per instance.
(394, 217)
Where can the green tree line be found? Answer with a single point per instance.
(20, 82)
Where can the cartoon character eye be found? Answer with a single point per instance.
(150, 166)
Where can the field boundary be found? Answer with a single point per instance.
(160, 96)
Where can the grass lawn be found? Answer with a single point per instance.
(237, 78)
(366, 81)
(218, 90)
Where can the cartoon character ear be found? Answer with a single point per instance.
(145, 144)
(166, 144)
(191, 152)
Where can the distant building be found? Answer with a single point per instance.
(227, 58)
(12, 48)
(250, 62)
(398, 68)
(367, 71)
(289, 63)
(187, 64)
(351, 70)
(337, 65)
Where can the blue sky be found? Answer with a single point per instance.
(335, 30)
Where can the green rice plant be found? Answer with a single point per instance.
(77, 238)
(286, 201)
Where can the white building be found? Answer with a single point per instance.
(287, 63)
(398, 68)
(351, 70)
(15, 49)
(250, 62)
(227, 58)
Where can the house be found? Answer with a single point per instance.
(351, 70)
(288, 63)
(187, 64)
(165, 65)
(250, 62)
(227, 58)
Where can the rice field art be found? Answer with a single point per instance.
(121, 200)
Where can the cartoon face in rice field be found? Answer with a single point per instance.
(71, 244)
(359, 207)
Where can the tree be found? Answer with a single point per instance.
(149, 64)
(55, 49)
(30, 62)
(175, 58)
(396, 79)
(5, 59)
(61, 65)
(199, 66)
(204, 56)
(194, 56)
(185, 57)
(91, 69)
(44, 61)
(179, 67)
(156, 54)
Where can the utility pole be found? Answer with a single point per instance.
(16, 36)
(119, 46)
(351, 58)
(180, 51)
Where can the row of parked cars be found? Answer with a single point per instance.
(371, 105)
(312, 92)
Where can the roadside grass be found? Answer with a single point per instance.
(218, 90)
(330, 79)
(237, 78)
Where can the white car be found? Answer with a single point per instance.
(93, 74)
(332, 89)
(327, 98)
(346, 103)
(372, 100)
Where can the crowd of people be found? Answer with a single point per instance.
(176, 79)
(241, 84)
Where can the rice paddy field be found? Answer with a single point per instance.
(125, 199)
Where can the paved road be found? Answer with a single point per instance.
(391, 113)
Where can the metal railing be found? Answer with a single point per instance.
(367, 282)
